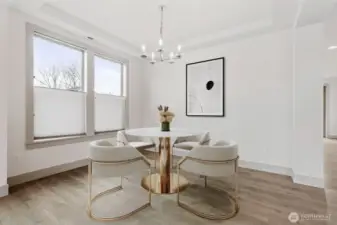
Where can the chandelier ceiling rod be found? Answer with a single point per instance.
(161, 21)
(159, 55)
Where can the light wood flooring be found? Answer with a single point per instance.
(330, 176)
(265, 199)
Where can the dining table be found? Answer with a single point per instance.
(164, 181)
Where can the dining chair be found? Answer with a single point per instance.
(123, 139)
(107, 160)
(188, 143)
(219, 160)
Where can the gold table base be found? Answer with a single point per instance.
(164, 182)
(154, 183)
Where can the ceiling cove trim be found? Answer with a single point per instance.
(250, 29)
(92, 30)
(35, 15)
(72, 33)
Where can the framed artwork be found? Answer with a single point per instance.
(205, 88)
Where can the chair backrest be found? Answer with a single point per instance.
(213, 161)
(205, 139)
(202, 139)
(124, 139)
(221, 143)
(114, 161)
(121, 138)
(104, 151)
(221, 151)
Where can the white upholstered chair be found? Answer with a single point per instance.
(187, 143)
(219, 160)
(123, 139)
(106, 160)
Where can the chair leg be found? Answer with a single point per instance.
(205, 178)
(89, 183)
(112, 190)
(236, 179)
(233, 199)
(178, 192)
(236, 183)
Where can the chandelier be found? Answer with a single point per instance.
(160, 55)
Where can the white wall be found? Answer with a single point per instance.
(330, 32)
(330, 28)
(21, 160)
(3, 94)
(258, 96)
(331, 65)
(310, 59)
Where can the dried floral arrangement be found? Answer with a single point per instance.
(166, 117)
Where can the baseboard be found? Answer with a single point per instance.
(331, 137)
(265, 167)
(309, 181)
(3, 190)
(23, 178)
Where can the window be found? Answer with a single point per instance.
(56, 65)
(108, 77)
(68, 98)
(109, 102)
(59, 106)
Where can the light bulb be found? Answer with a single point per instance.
(332, 47)
(160, 42)
(143, 48)
(152, 56)
(179, 48)
(171, 55)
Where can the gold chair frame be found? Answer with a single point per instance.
(91, 199)
(234, 197)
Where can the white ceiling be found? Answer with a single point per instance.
(192, 23)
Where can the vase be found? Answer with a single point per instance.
(165, 126)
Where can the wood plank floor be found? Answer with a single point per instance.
(265, 199)
(330, 176)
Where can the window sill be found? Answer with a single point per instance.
(51, 142)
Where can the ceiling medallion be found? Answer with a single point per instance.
(159, 55)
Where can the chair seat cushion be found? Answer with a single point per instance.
(187, 145)
(140, 144)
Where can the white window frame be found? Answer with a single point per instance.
(88, 86)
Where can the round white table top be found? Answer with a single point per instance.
(156, 132)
